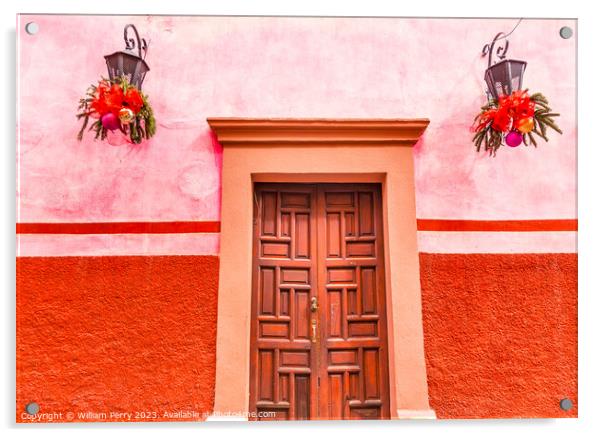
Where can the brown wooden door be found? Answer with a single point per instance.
(318, 331)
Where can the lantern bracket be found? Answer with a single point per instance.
(500, 52)
(132, 44)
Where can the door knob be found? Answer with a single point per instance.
(314, 304)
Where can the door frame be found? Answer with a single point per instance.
(320, 151)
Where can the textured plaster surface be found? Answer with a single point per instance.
(94, 334)
(285, 67)
(116, 334)
(500, 334)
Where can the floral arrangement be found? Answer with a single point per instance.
(515, 119)
(116, 104)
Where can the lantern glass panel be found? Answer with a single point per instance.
(517, 69)
(505, 77)
(126, 64)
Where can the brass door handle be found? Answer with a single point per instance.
(314, 304)
(314, 330)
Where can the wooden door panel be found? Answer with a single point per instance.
(323, 243)
(351, 283)
(284, 282)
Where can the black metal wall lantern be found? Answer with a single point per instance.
(506, 76)
(130, 62)
(511, 115)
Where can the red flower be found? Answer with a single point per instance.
(511, 110)
(523, 110)
(133, 100)
(518, 106)
(111, 98)
(99, 104)
(501, 120)
(114, 99)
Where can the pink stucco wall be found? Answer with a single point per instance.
(284, 67)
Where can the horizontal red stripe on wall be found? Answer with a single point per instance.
(497, 225)
(119, 228)
(214, 227)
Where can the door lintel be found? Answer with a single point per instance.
(316, 131)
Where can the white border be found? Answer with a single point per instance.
(590, 217)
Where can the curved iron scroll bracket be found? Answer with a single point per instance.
(132, 44)
(501, 50)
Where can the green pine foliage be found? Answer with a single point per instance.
(543, 119)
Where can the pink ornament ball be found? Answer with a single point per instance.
(110, 121)
(514, 138)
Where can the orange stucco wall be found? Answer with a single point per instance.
(116, 334)
(126, 334)
(500, 334)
